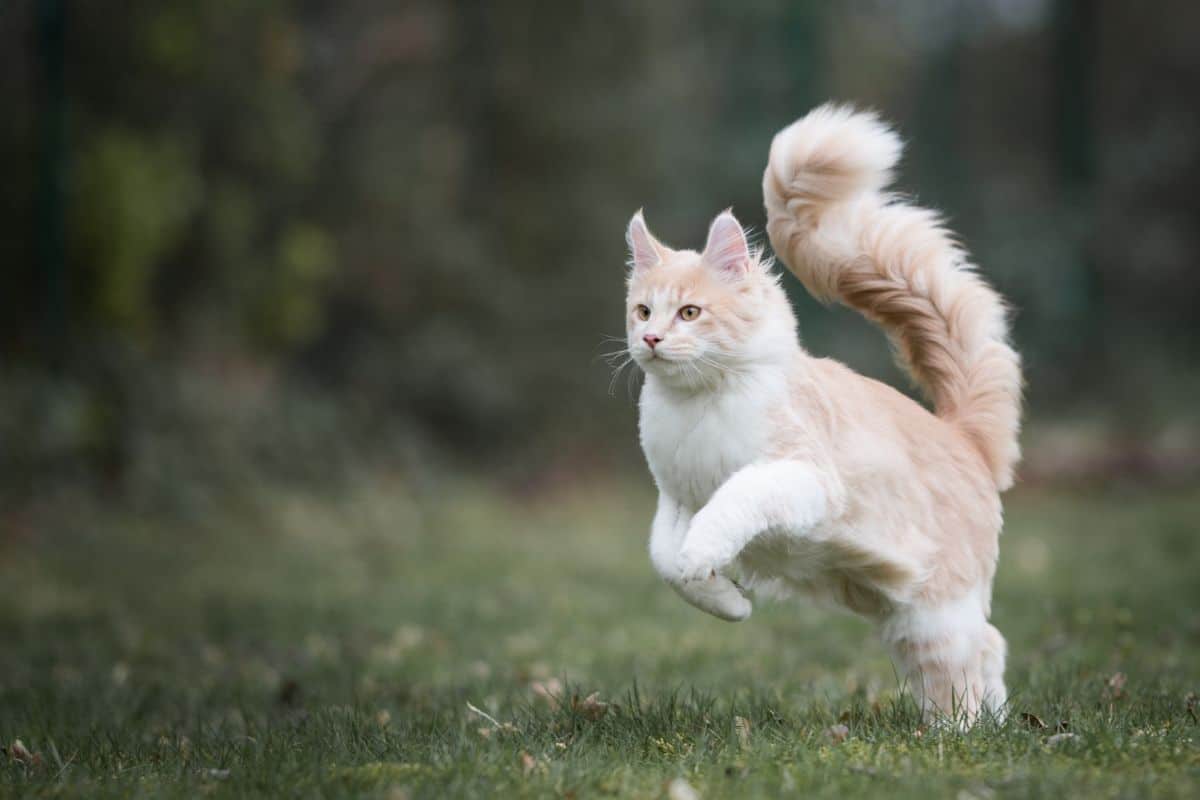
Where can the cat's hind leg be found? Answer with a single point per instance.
(952, 659)
(995, 653)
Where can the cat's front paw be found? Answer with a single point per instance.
(718, 596)
(697, 563)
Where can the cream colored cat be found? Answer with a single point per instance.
(798, 473)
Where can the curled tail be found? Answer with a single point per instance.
(830, 221)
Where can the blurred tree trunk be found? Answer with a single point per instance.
(51, 30)
(1074, 33)
(938, 139)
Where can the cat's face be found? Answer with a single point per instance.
(691, 317)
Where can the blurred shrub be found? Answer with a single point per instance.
(132, 200)
(410, 217)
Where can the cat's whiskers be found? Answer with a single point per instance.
(616, 373)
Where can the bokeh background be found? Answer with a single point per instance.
(250, 241)
(308, 437)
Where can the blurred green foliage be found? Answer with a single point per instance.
(412, 215)
(133, 198)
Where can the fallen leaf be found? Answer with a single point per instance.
(837, 733)
(549, 690)
(383, 717)
(1033, 720)
(742, 726)
(1059, 737)
(591, 706)
(679, 789)
(17, 751)
(1116, 685)
(528, 763)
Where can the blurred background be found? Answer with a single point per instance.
(308, 436)
(248, 242)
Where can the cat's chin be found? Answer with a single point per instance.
(677, 372)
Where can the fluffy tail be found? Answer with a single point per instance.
(846, 240)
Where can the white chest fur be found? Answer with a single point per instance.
(694, 441)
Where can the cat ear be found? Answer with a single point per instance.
(726, 249)
(644, 249)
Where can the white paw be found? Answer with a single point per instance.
(716, 595)
(699, 564)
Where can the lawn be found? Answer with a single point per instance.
(335, 643)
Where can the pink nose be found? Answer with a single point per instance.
(652, 339)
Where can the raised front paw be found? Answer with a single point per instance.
(699, 563)
(716, 595)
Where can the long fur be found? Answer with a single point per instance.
(799, 474)
(831, 224)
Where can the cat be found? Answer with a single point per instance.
(795, 472)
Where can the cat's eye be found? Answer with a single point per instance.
(689, 313)
(643, 312)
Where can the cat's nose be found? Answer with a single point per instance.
(652, 339)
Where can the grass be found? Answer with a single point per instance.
(307, 644)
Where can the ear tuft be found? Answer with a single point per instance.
(727, 250)
(644, 249)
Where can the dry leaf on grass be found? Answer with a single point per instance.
(549, 690)
(1033, 720)
(528, 763)
(1116, 685)
(837, 733)
(1058, 738)
(591, 707)
(17, 751)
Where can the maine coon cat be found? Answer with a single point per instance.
(795, 472)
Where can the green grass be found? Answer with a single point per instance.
(308, 645)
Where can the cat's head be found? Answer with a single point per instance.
(694, 318)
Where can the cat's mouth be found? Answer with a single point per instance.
(653, 356)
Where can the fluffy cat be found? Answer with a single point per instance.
(801, 475)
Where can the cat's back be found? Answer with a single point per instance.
(876, 423)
